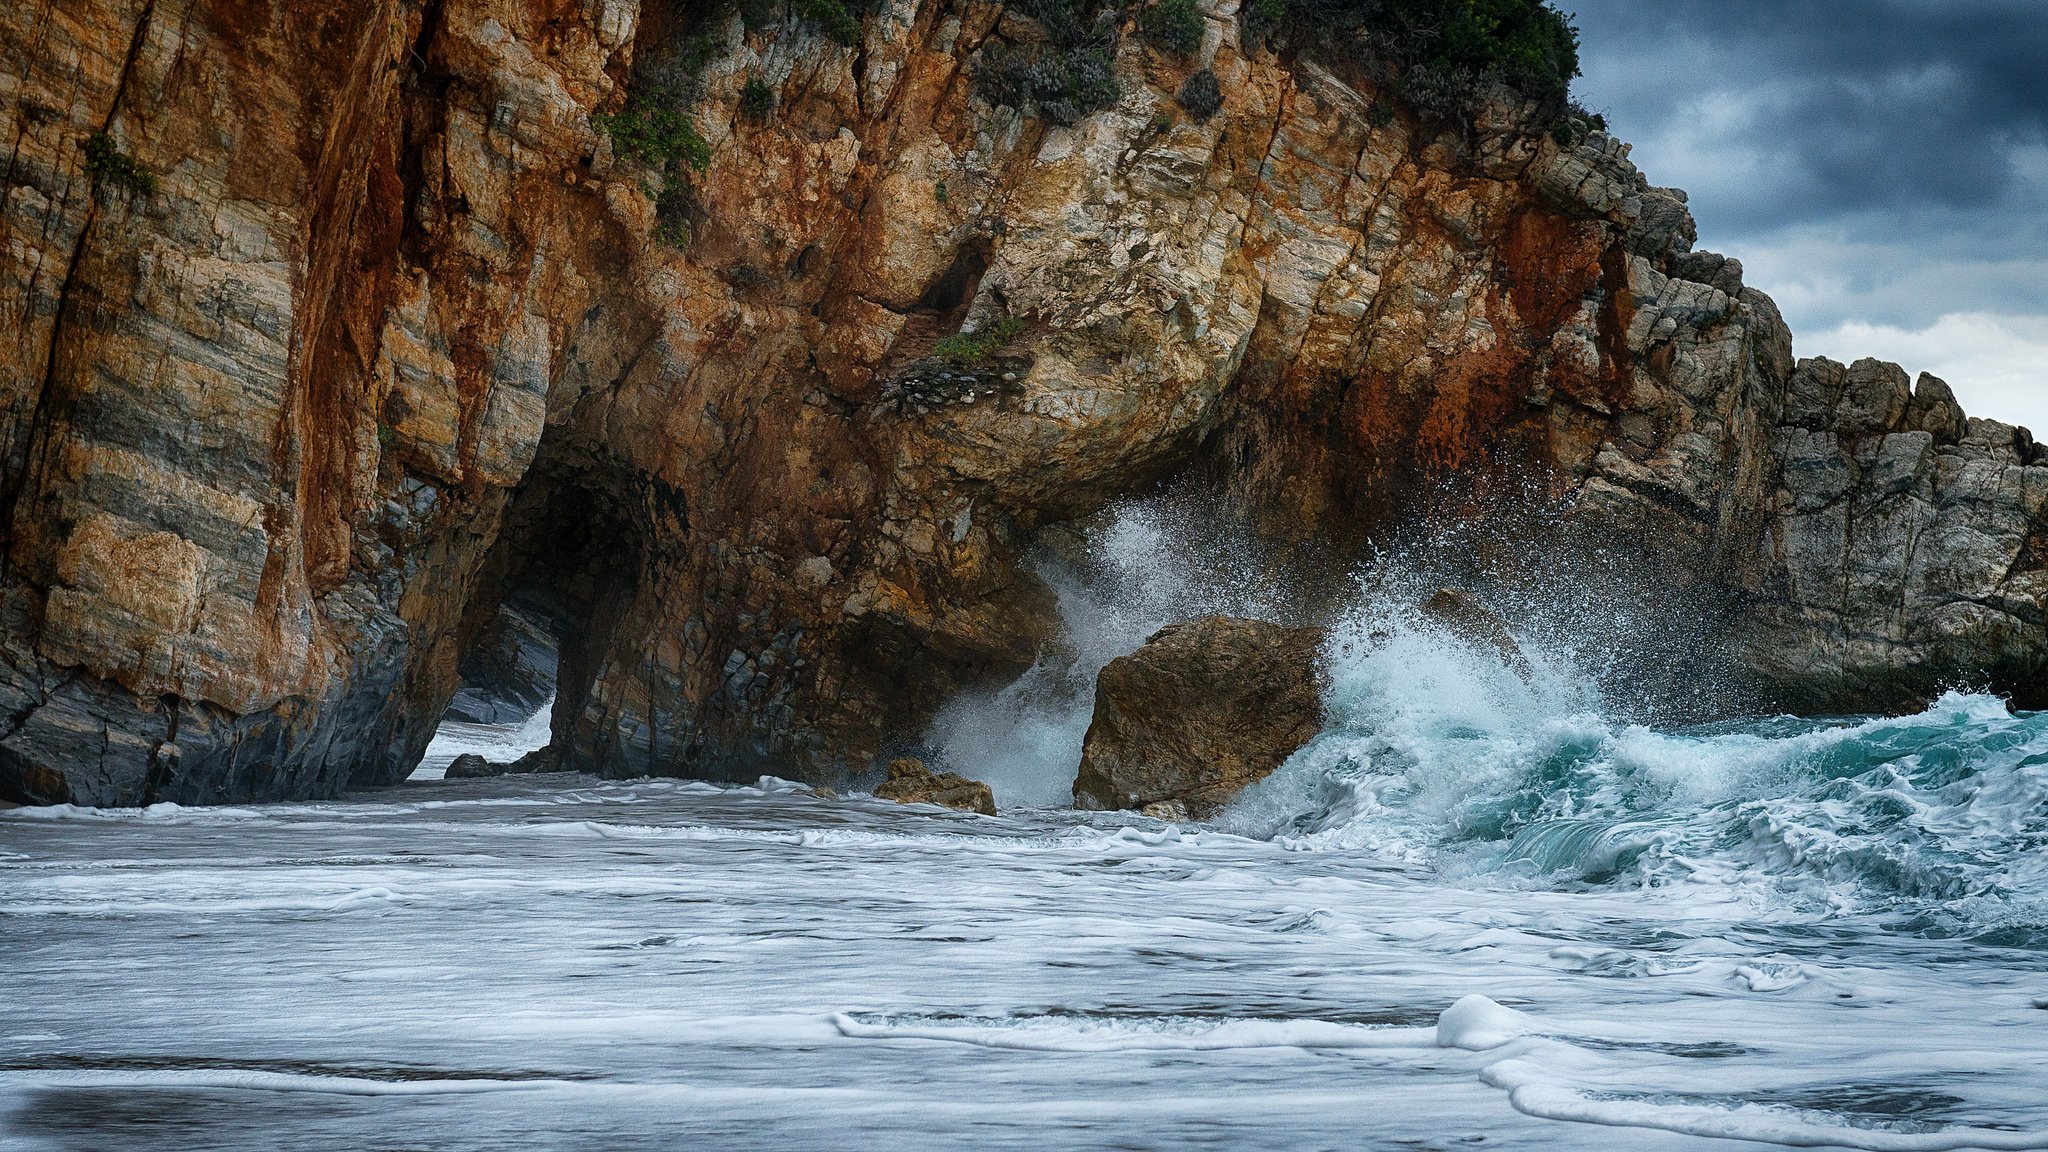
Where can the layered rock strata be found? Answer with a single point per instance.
(394, 337)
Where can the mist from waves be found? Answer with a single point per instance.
(1118, 577)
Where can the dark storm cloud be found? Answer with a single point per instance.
(1853, 103)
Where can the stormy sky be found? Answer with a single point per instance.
(1879, 166)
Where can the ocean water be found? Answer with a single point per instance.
(1479, 911)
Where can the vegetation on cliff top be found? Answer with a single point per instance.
(1443, 58)
(1064, 79)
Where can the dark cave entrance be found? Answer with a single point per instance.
(567, 563)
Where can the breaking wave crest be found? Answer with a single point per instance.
(1437, 753)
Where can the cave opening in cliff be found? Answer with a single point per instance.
(570, 557)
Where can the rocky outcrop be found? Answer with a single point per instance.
(910, 782)
(262, 411)
(1903, 551)
(394, 334)
(509, 671)
(1204, 709)
(470, 766)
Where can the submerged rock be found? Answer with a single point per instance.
(910, 782)
(1202, 710)
(470, 766)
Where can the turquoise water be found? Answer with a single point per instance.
(1933, 823)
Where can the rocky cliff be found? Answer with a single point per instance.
(335, 327)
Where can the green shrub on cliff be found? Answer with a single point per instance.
(672, 214)
(972, 349)
(1175, 25)
(1443, 58)
(108, 166)
(1201, 95)
(1064, 79)
(834, 17)
(657, 125)
(655, 131)
(757, 99)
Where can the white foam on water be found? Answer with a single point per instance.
(498, 743)
(1045, 1034)
(739, 966)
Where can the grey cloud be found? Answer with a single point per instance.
(1872, 103)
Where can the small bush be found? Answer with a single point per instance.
(655, 131)
(972, 349)
(1201, 95)
(832, 17)
(757, 14)
(1067, 22)
(1261, 19)
(672, 215)
(939, 191)
(1576, 124)
(757, 100)
(1380, 115)
(1174, 25)
(108, 166)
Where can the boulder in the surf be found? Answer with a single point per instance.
(1204, 709)
(470, 766)
(910, 782)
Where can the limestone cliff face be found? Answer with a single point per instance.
(393, 343)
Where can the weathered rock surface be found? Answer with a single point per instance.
(1905, 549)
(509, 672)
(1204, 709)
(393, 343)
(470, 766)
(910, 782)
